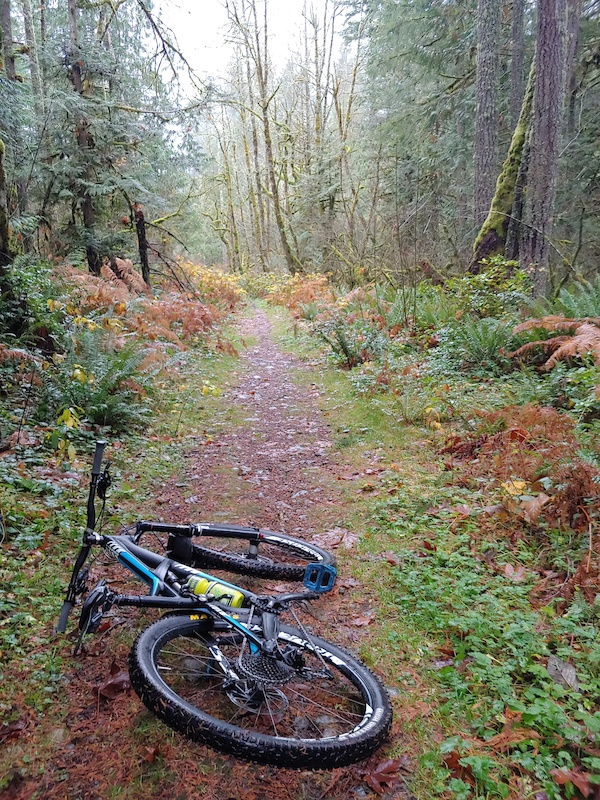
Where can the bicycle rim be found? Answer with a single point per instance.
(330, 711)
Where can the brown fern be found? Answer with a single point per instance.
(583, 339)
(554, 323)
(124, 270)
(586, 340)
(15, 354)
(547, 346)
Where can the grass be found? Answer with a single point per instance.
(462, 648)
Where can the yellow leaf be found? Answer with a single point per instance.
(515, 488)
(71, 452)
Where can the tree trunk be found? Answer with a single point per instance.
(85, 143)
(8, 50)
(573, 24)
(34, 65)
(516, 61)
(261, 65)
(140, 227)
(486, 118)
(548, 103)
(491, 239)
(6, 254)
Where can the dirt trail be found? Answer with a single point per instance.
(276, 469)
(273, 470)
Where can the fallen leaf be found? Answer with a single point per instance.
(151, 753)
(464, 773)
(562, 673)
(515, 488)
(579, 779)
(385, 775)
(517, 434)
(365, 619)
(116, 684)
(12, 730)
(509, 737)
(336, 537)
(532, 508)
(463, 511)
(494, 510)
(516, 575)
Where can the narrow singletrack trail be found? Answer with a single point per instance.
(274, 469)
(271, 464)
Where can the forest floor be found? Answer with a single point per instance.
(270, 461)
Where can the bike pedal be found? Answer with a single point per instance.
(319, 578)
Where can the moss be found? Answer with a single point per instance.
(491, 238)
(5, 237)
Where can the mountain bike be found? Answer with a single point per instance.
(224, 669)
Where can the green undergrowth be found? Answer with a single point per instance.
(42, 506)
(503, 693)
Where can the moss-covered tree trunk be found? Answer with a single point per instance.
(5, 246)
(491, 239)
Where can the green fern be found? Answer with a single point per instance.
(476, 345)
(579, 301)
(103, 381)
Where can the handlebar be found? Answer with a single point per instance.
(98, 457)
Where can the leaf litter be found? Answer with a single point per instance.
(109, 740)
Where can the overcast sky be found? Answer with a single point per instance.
(201, 30)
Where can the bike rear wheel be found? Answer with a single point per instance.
(319, 709)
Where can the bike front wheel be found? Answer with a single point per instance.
(319, 708)
(265, 554)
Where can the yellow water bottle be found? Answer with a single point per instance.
(216, 591)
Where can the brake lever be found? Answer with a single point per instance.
(104, 482)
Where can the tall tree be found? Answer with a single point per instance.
(85, 143)
(517, 47)
(546, 127)
(5, 238)
(505, 208)
(486, 115)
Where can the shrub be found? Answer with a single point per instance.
(477, 345)
(213, 285)
(102, 381)
(355, 342)
(426, 307)
(24, 311)
(499, 288)
(578, 300)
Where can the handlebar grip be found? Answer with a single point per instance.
(98, 457)
(64, 615)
